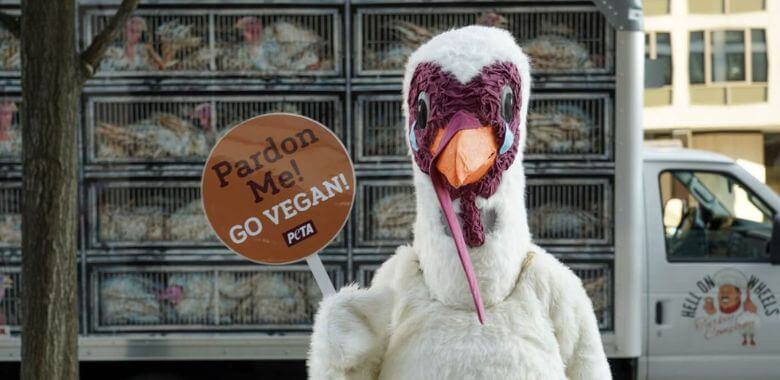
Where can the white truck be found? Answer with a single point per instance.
(710, 270)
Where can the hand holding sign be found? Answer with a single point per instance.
(278, 188)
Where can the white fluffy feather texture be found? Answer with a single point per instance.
(417, 320)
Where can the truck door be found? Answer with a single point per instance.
(712, 303)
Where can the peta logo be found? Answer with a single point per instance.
(299, 233)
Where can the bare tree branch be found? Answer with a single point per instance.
(11, 24)
(91, 57)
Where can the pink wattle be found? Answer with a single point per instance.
(457, 234)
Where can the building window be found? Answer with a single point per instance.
(728, 66)
(655, 7)
(728, 55)
(658, 68)
(696, 60)
(725, 6)
(758, 55)
(658, 50)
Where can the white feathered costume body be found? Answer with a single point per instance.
(417, 319)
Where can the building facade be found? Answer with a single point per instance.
(711, 79)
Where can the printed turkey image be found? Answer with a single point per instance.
(10, 303)
(552, 52)
(10, 131)
(231, 114)
(275, 298)
(10, 216)
(392, 214)
(598, 291)
(188, 298)
(391, 54)
(172, 45)
(559, 128)
(555, 47)
(161, 135)
(10, 53)
(147, 214)
(129, 299)
(561, 221)
(188, 223)
(11, 228)
(384, 133)
(254, 44)
(128, 222)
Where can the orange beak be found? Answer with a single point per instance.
(468, 155)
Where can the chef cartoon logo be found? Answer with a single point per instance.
(730, 303)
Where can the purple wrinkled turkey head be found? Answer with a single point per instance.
(445, 108)
(465, 99)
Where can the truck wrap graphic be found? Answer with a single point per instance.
(730, 302)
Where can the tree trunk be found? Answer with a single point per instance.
(50, 83)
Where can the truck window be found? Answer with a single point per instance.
(710, 216)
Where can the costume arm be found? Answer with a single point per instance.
(577, 330)
(351, 331)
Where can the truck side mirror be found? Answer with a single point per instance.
(774, 242)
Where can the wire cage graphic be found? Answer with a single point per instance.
(10, 214)
(10, 49)
(232, 41)
(209, 298)
(279, 42)
(147, 213)
(180, 75)
(10, 127)
(569, 126)
(379, 129)
(570, 211)
(173, 129)
(10, 299)
(597, 280)
(385, 212)
(561, 40)
(151, 213)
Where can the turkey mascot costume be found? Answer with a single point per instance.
(472, 297)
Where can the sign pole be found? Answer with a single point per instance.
(320, 275)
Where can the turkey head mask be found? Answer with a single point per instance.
(465, 102)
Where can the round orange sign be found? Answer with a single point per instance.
(278, 188)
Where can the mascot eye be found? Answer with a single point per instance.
(421, 120)
(507, 104)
